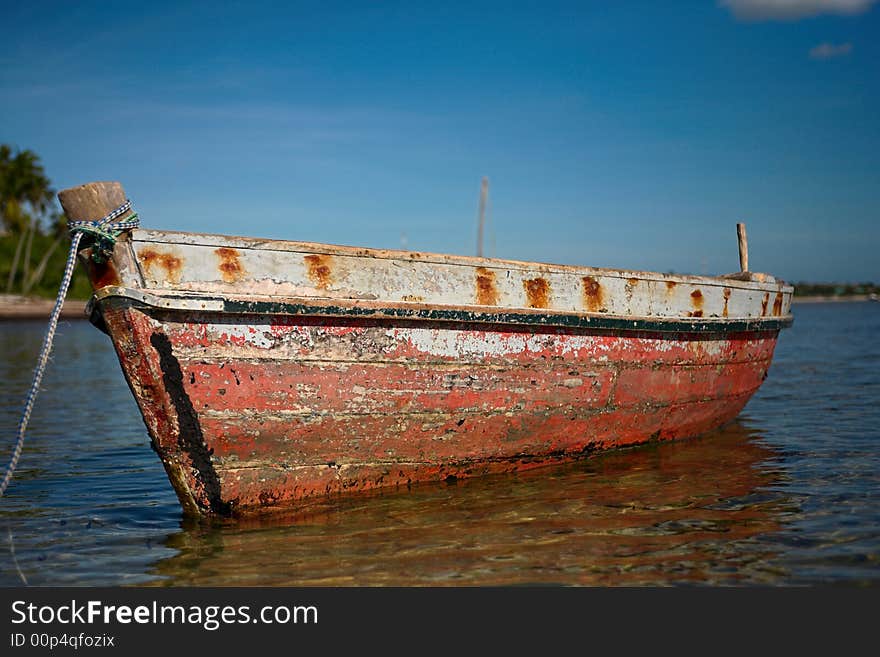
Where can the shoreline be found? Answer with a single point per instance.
(16, 307)
(831, 299)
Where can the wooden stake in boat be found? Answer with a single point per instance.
(86, 202)
(743, 247)
(484, 197)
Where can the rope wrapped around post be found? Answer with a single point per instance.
(104, 233)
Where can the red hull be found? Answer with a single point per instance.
(256, 412)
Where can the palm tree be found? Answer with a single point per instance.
(25, 194)
(59, 229)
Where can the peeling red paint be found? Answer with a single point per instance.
(685, 383)
(393, 388)
(391, 405)
(131, 332)
(332, 339)
(551, 439)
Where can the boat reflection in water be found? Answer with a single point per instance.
(668, 512)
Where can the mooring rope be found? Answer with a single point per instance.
(104, 233)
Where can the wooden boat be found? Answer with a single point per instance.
(269, 372)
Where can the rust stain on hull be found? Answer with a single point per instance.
(537, 292)
(100, 274)
(764, 302)
(593, 295)
(230, 267)
(487, 292)
(697, 303)
(777, 305)
(168, 262)
(726, 294)
(318, 269)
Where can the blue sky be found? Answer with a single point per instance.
(630, 134)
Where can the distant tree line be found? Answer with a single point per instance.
(33, 232)
(804, 289)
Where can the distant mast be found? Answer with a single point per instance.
(484, 197)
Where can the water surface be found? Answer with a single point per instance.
(787, 494)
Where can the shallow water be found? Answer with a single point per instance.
(788, 494)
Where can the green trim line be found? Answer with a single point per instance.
(529, 319)
(215, 306)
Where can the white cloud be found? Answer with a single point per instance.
(789, 10)
(830, 50)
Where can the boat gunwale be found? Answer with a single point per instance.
(410, 311)
(260, 244)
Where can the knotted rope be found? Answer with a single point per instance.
(103, 232)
